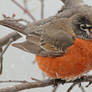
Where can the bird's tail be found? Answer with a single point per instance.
(14, 24)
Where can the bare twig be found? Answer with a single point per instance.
(25, 10)
(15, 81)
(14, 24)
(71, 87)
(44, 83)
(89, 84)
(10, 41)
(1, 61)
(24, 86)
(55, 88)
(36, 80)
(5, 40)
(81, 87)
(1, 55)
(42, 9)
(42, 16)
(25, 4)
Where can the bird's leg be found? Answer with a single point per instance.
(55, 88)
(89, 84)
(81, 87)
(57, 83)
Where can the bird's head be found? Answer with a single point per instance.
(82, 25)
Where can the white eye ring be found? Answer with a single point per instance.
(84, 29)
(81, 26)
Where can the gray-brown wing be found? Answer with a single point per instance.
(56, 42)
(33, 48)
(49, 46)
(54, 45)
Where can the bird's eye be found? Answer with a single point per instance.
(82, 27)
(85, 28)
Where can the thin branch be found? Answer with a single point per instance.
(15, 81)
(14, 24)
(10, 41)
(24, 86)
(44, 83)
(81, 87)
(36, 80)
(42, 9)
(25, 10)
(2, 53)
(4, 40)
(55, 88)
(71, 87)
(89, 84)
(25, 4)
(1, 61)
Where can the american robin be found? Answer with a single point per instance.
(62, 46)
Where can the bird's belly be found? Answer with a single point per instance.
(76, 62)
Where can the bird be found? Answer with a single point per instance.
(63, 46)
(76, 61)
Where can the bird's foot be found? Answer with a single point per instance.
(58, 81)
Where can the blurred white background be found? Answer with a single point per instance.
(18, 64)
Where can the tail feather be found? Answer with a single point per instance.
(28, 47)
